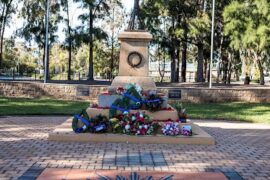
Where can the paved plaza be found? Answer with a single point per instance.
(241, 147)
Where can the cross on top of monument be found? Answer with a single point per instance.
(136, 22)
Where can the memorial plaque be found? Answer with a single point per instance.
(82, 91)
(175, 94)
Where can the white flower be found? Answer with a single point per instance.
(127, 127)
(145, 126)
(133, 118)
(140, 127)
(138, 88)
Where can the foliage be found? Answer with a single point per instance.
(33, 13)
(248, 25)
(112, 24)
(7, 9)
(97, 9)
(181, 31)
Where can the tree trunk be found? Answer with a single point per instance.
(69, 59)
(200, 63)
(1, 29)
(206, 70)
(218, 72)
(177, 65)
(173, 64)
(225, 71)
(184, 63)
(1, 45)
(259, 63)
(229, 69)
(229, 73)
(91, 65)
(69, 44)
(161, 71)
(43, 57)
(6, 12)
(112, 50)
(237, 75)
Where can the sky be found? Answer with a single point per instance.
(18, 23)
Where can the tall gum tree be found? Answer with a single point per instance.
(33, 30)
(7, 8)
(97, 10)
(248, 26)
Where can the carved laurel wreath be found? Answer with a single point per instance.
(130, 59)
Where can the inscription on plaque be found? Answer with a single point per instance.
(82, 91)
(174, 94)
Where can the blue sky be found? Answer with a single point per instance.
(17, 23)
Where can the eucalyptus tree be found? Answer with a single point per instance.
(182, 11)
(157, 22)
(112, 24)
(7, 9)
(33, 30)
(247, 23)
(9, 54)
(199, 30)
(163, 25)
(221, 43)
(96, 10)
(70, 40)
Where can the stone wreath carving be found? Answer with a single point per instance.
(134, 59)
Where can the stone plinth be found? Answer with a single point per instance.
(106, 100)
(145, 82)
(134, 42)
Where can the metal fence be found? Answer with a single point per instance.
(12, 75)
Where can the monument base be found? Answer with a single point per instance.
(64, 133)
(162, 115)
(146, 82)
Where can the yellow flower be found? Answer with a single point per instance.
(114, 120)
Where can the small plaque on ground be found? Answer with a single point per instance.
(82, 91)
(174, 94)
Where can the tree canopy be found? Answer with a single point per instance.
(181, 31)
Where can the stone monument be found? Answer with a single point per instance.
(133, 68)
(134, 59)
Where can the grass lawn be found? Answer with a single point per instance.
(252, 112)
(26, 106)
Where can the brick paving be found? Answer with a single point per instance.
(241, 147)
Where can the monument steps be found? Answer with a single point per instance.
(64, 133)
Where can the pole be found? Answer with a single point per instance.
(212, 44)
(46, 73)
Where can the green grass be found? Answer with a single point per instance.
(250, 112)
(27, 106)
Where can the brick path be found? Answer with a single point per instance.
(241, 147)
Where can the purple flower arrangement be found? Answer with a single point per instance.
(171, 129)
